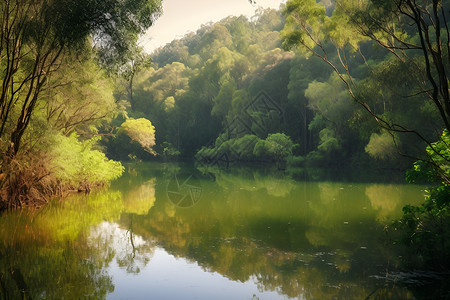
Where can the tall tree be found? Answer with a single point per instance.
(35, 36)
(415, 32)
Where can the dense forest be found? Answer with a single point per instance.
(229, 93)
(335, 84)
(332, 84)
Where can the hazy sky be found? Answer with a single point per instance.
(182, 16)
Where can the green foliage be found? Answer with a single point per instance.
(331, 125)
(439, 153)
(74, 162)
(279, 146)
(142, 131)
(425, 229)
(53, 89)
(394, 91)
(381, 146)
(81, 98)
(245, 145)
(303, 16)
(223, 100)
(201, 81)
(53, 243)
(276, 147)
(308, 25)
(391, 90)
(438, 166)
(331, 100)
(133, 139)
(241, 148)
(41, 36)
(317, 123)
(260, 150)
(199, 84)
(328, 142)
(169, 151)
(422, 172)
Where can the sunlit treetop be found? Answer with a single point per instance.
(142, 131)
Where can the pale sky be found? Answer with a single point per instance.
(180, 17)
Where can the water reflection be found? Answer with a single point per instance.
(131, 252)
(139, 200)
(47, 254)
(386, 200)
(251, 235)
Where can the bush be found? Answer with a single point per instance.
(141, 131)
(279, 146)
(382, 146)
(296, 161)
(261, 150)
(74, 162)
(276, 148)
(33, 179)
(425, 229)
(169, 151)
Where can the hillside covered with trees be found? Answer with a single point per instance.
(230, 93)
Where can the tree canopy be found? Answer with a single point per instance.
(414, 35)
(52, 86)
(232, 79)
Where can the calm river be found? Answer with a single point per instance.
(168, 232)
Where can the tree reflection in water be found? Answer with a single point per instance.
(320, 240)
(316, 240)
(47, 254)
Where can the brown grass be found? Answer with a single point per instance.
(26, 182)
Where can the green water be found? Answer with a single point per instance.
(168, 232)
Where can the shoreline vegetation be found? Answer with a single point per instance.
(36, 179)
(58, 61)
(228, 90)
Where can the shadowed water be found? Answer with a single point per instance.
(165, 231)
